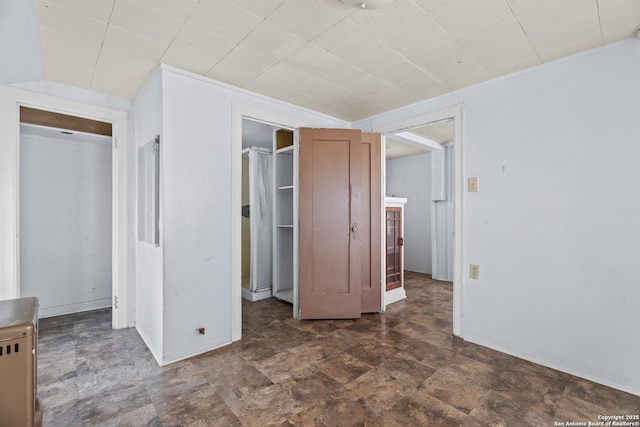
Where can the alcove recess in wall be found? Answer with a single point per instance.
(34, 116)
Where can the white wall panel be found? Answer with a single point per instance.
(554, 225)
(149, 258)
(410, 177)
(65, 221)
(19, 42)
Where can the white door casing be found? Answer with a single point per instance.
(240, 112)
(455, 113)
(10, 101)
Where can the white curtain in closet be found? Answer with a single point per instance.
(260, 217)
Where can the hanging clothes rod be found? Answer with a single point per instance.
(245, 151)
(262, 149)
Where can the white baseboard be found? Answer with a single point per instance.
(73, 308)
(394, 295)
(170, 358)
(256, 296)
(151, 350)
(628, 388)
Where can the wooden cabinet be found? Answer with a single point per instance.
(394, 249)
(394, 242)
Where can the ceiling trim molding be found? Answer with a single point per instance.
(243, 91)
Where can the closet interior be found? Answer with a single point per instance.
(267, 211)
(65, 215)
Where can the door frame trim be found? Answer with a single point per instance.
(12, 100)
(454, 112)
(239, 112)
(448, 216)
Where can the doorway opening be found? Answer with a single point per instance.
(45, 117)
(419, 167)
(65, 217)
(430, 145)
(260, 126)
(65, 212)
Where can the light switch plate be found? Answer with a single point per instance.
(474, 271)
(473, 185)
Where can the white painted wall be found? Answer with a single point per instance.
(442, 223)
(196, 177)
(65, 218)
(149, 258)
(556, 234)
(410, 177)
(19, 42)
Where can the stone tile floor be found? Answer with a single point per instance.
(400, 368)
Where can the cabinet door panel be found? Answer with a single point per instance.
(393, 245)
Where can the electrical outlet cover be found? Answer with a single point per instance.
(473, 185)
(474, 271)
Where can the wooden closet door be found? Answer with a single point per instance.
(371, 218)
(330, 224)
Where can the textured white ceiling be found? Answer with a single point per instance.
(321, 54)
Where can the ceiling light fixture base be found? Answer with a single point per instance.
(368, 4)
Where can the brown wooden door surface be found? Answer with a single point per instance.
(370, 235)
(329, 207)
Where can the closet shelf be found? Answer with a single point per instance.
(285, 295)
(285, 150)
(285, 165)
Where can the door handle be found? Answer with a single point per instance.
(354, 230)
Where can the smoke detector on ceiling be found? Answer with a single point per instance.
(368, 4)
